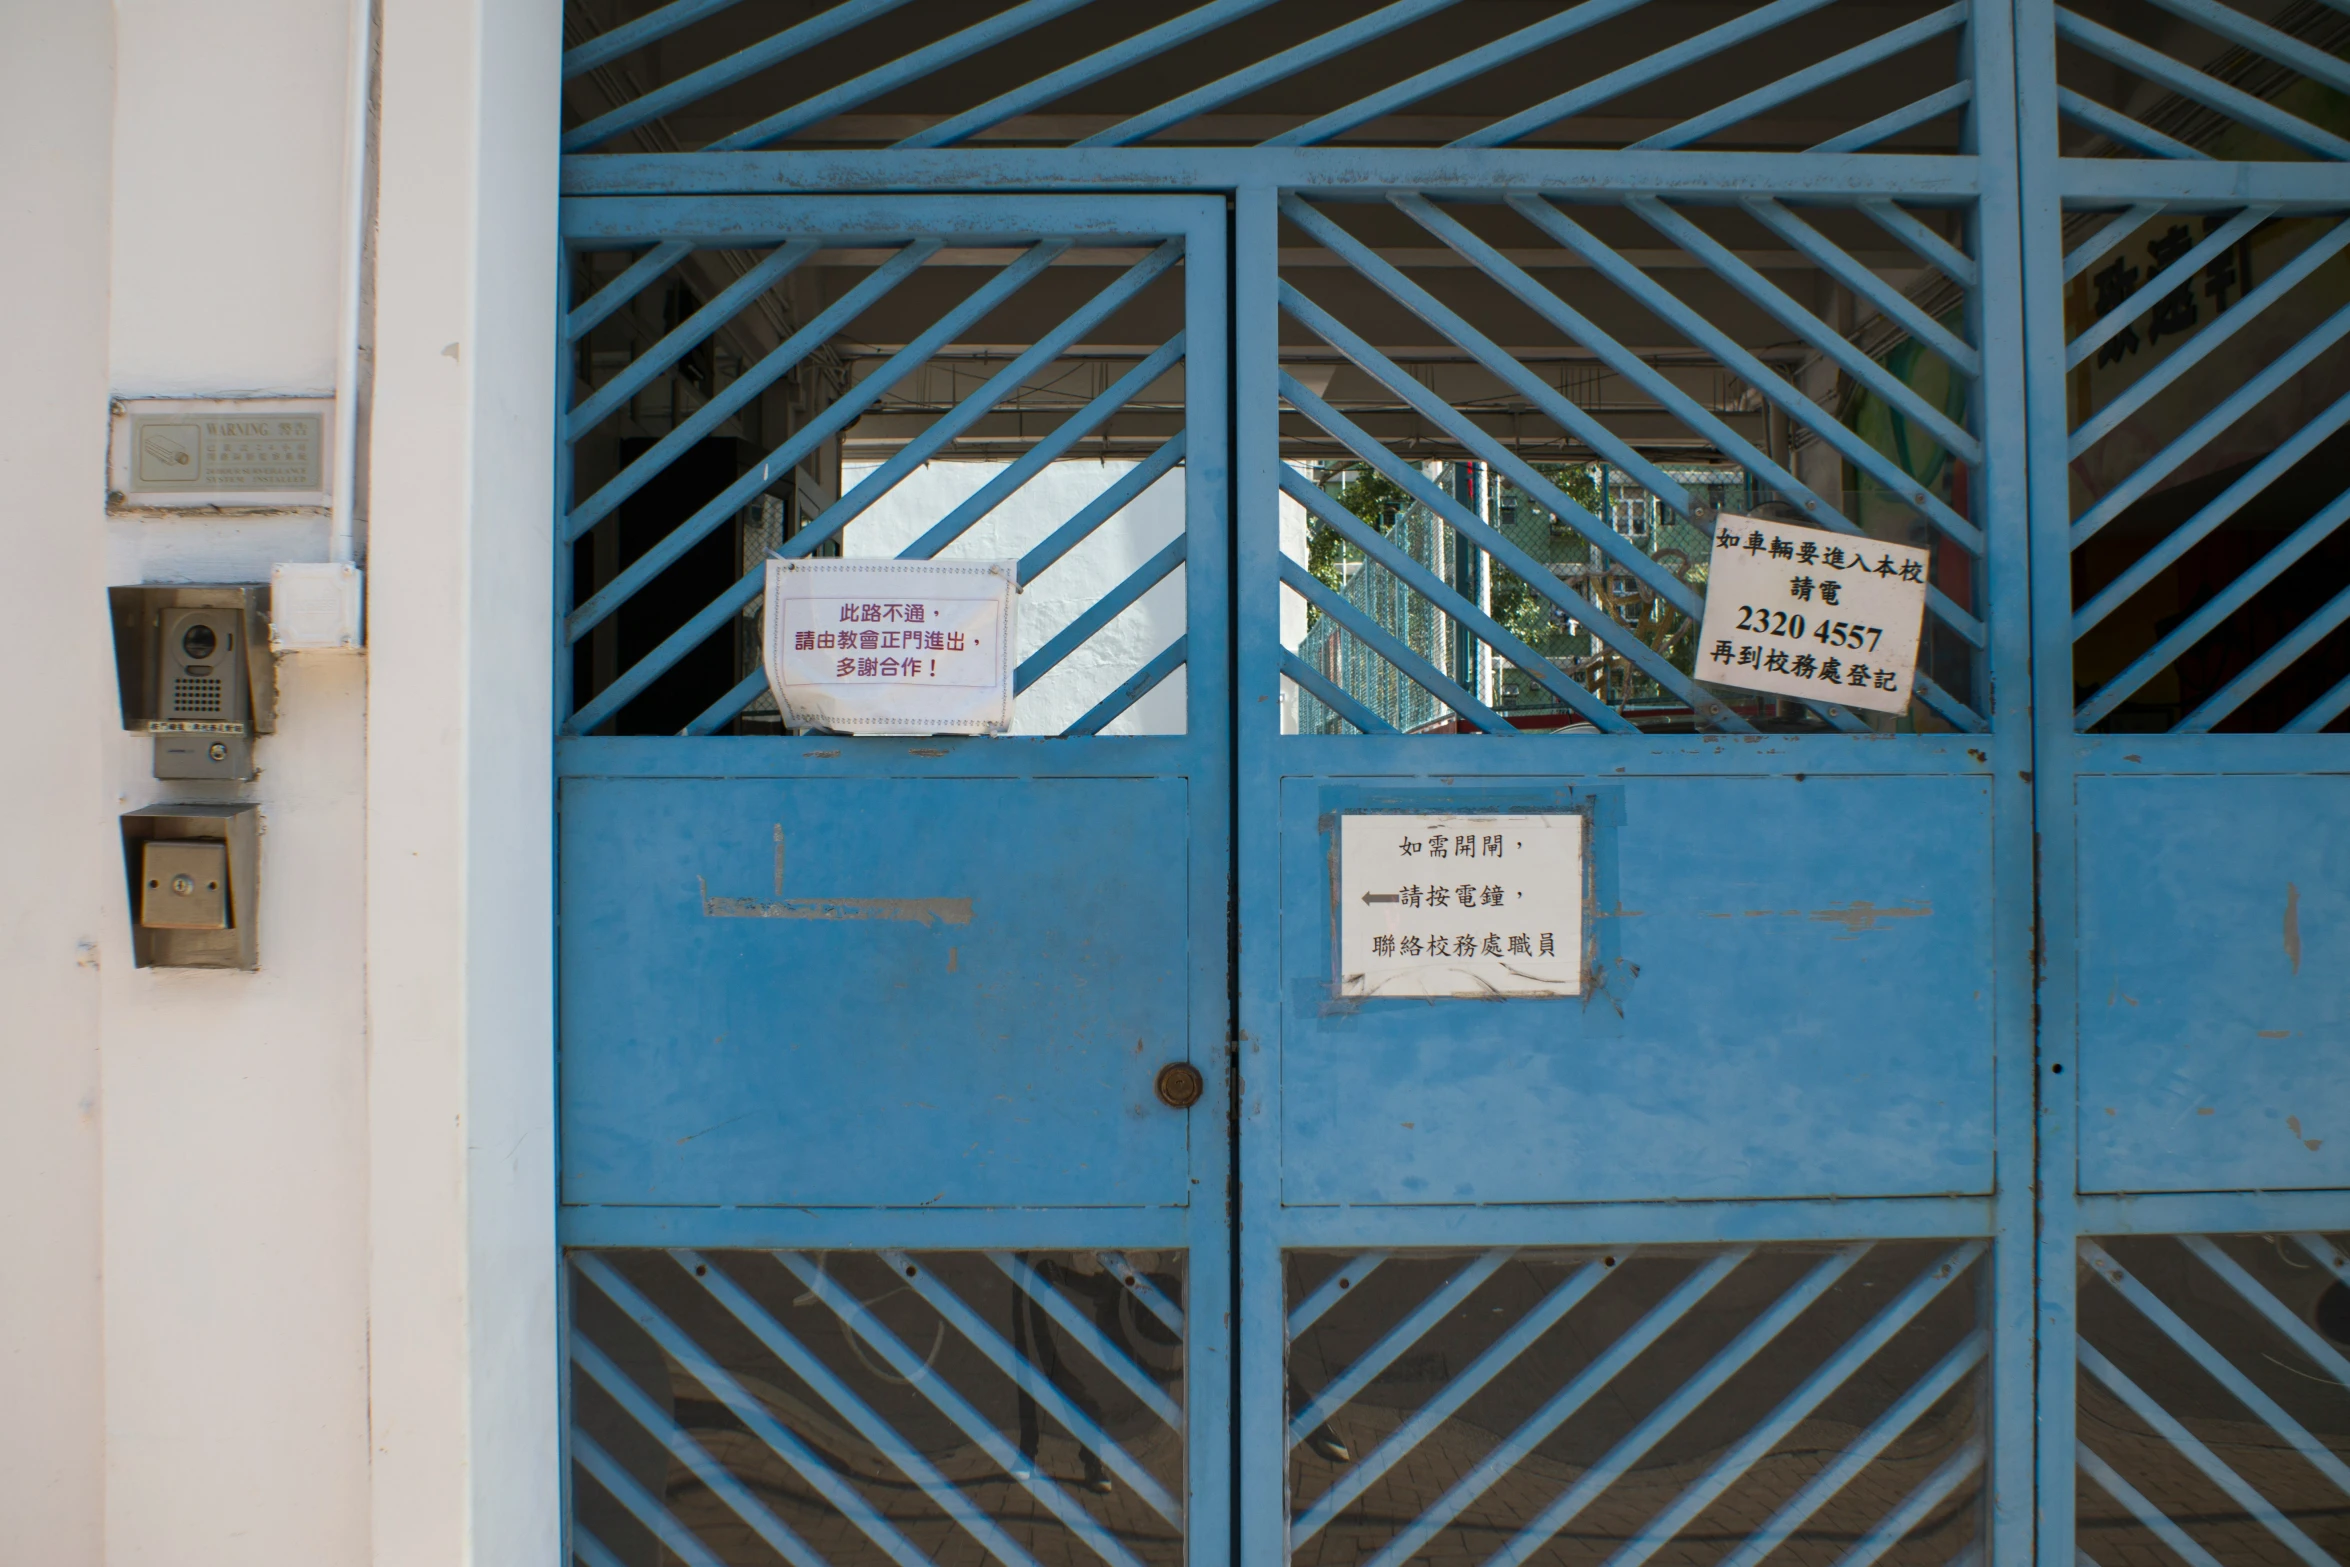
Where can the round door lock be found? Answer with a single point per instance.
(1180, 1085)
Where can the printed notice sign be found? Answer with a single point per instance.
(234, 452)
(892, 647)
(1460, 905)
(1831, 617)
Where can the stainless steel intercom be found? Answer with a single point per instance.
(193, 666)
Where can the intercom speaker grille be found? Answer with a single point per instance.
(191, 694)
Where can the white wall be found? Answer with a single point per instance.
(235, 1104)
(225, 1213)
(56, 88)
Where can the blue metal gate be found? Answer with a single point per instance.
(1943, 1160)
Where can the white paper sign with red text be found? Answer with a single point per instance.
(892, 647)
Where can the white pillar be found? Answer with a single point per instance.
(462, 1317)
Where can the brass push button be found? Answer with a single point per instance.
(1180, 1085)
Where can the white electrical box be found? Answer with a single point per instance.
(314, 607)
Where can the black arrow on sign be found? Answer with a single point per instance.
(1381, 897)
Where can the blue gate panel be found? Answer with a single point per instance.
(2215, 930)
(1791, 1001)
(889, 991)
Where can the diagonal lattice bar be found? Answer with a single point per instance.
(1498, 361)
(1653, 296)
(2206, 619)
(1811, 78)
(837, 415)
(2327, 1255)
(722, 712)
(629, 37)
(1891, 303)
(586, 316)
(1080, 73)
(1133, 688)
(1561, 1405)
(1904, 226)
(2187, 82)
(861, 1418)
(1639, 73)
(837, 516)
(2122, 129)
(1334, 697)
(1037, 1386)
(846, 409)
(1574, 324)
(721, 1481)
(1139, 1285)
(1379, 547)
(1460, 68)
(2279, 461)
(1290, 61)
(1090, 1338)
(642, 1504)
(2174, 276)
(1776, 302)
(1383, 642)
(983, 399)
(825, 325)
(1122, 493)
(2305, 1338)
(1100, 613)
(1823, 1487)
(1618, 549)
(1065, 435)
(1931, 107)
(2260, 38)
(1499, 1356)
(1661, 1421)
(685, 337)
(2235, 406)
(824, 25)
(2203, 1458)
(2218, 1366)
(844, 96)
(1360, 1373)
(591, 1550)
(2321, 712)
(739, 1400)
(957, 1409)
(1617, 637)
(1930, 1494)
(1752, 1448)
(2150, 1517)
(2193, 353)
(1333, 1289)
(2267, 667)
(1522, 285)
(2118, 228)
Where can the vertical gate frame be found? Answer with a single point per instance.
(2064, 757)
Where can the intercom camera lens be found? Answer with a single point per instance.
(198, 642)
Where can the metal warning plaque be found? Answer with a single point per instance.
(907, 647)
(1832, 617)
(1476, 906)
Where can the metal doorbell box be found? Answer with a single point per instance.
(193, 666)
(195, 885)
